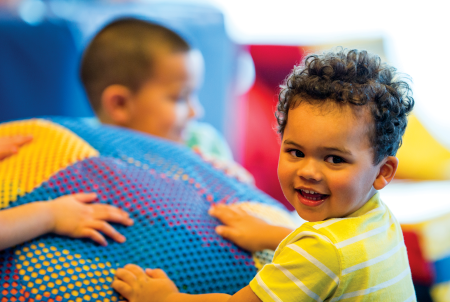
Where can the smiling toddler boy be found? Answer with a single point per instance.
(341, 116)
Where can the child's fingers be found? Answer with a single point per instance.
(112, 214)
(223, 213)
(107, 229)
(137, 271)
(157, 274)
(104, 211)
(125, 275)
(21, 140)
(122, 288)
(227, 232)
(17, 140)
(94, 236)
(238, 210)
(148, 272)
(6, 151)
(10, 145)
(85, 197)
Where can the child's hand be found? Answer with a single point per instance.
(10, 145)
(135, 285)
(245, 230)
(73, 217)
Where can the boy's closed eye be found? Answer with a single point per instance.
(180, 95)
(176, 98)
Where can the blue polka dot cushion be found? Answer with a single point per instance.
(166, 188)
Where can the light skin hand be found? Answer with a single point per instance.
(74, 217)
(137, 285)
(70, 215)
(10, 145)
(247, 231)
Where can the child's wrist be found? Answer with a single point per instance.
(173, 297)
(47, 213)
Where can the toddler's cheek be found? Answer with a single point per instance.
(286, 178)
(343, 185)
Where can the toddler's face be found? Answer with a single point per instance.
(165, 103)
(326, 162)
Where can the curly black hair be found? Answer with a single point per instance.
(356, 78)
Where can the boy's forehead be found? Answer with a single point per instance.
(330, 109)
(170, 67)
(330, 120)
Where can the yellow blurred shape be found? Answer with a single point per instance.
(421, 156)
(53, 148)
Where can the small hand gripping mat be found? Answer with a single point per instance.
(167, 189)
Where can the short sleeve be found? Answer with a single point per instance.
(306, 270)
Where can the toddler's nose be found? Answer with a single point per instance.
(309, 170)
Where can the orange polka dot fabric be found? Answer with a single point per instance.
(166, 188)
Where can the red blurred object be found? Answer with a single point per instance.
(260, 156)
(421, 270)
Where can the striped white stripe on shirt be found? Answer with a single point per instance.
(266, 289)
(364, 235)
(299, 283)
(333, 220)
(327, 223)
(308, 234)
(373, 288)
(314, 261)
(374, 260)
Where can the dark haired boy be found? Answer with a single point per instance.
(144, 76)
(136, 76)
(341, 119)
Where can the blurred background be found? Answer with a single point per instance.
(248, 48)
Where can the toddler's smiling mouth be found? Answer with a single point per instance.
(311, 198)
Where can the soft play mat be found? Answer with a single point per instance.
(166, 188)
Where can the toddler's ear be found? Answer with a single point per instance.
(388, 167)
(115, 104)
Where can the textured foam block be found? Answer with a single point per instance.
(166, 188)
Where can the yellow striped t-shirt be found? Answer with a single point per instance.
(361, 257)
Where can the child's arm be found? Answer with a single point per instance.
(68, 216)
(10, 145)
(154, 286)
(247, 231)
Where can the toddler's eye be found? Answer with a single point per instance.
(333, 159)
(296, 153)
(178, 99)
